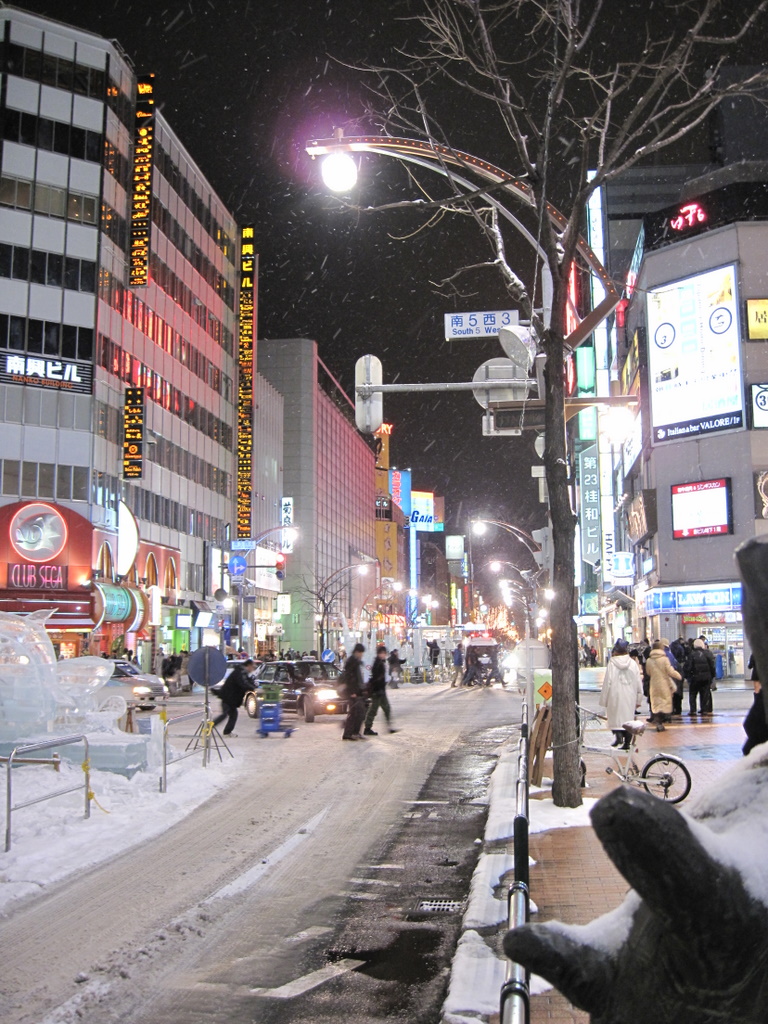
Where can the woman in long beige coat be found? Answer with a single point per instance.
(661, 686)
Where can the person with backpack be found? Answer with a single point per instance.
(700, 670)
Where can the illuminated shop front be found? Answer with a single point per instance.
(712, 610)
(47, 554)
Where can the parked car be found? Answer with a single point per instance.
(308, 688)
(142, 688)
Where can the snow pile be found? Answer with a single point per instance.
(732, 821)
(485, 909)
(52, 840)
(476, 979)
(544, 815)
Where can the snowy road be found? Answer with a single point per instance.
(189, 926)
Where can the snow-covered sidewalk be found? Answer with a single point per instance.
(479, 967)
(49, 841)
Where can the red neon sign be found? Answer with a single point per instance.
(688, 216)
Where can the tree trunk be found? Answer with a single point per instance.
(566, 789)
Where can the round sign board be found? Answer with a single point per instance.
(237, 565)
(499, 369)
(327, 655)
(207, 666)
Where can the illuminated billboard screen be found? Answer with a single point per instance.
(423, 514)
(400, 489)
(694, 362)
(701, 509)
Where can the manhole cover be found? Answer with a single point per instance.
(439, 906)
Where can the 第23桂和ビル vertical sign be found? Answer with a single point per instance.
(694, 358)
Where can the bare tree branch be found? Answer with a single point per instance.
(574, 117)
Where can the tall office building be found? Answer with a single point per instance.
(329, 476)
(118, 361)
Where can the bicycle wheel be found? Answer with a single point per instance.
(667, 778)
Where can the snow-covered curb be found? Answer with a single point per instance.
(477, 972)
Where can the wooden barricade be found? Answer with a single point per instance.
(541, 739)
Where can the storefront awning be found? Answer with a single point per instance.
(620, 598)
(67, 612)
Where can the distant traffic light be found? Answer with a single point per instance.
(280, 565)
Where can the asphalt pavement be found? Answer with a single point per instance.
(573, 880)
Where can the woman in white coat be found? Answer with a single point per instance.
(622, 692)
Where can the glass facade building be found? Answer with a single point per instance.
(81, 335)
(329, 471)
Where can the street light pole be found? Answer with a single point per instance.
(525, 593)
(554, 338)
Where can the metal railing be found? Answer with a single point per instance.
(515, 996)
(28, 748)
(204, 734)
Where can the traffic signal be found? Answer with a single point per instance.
(280, 565)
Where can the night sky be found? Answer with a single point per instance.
(245, 84)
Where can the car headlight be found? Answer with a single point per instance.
(141, 691)
(326, 694)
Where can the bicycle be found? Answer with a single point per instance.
(663, 775)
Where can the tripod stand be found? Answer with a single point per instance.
(207, 734)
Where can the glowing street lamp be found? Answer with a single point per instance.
(339, 172)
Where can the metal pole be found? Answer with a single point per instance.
(529, 693)
(365, 390)
(206, 730)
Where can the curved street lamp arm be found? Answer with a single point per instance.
(436, 157)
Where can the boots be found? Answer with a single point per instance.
(627, 740)
(618, 737)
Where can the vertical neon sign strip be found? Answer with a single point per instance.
(133, 433)
(245, 357)
(141, 183)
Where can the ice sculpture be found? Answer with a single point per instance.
(35, 689)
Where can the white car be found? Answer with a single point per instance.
(137, 687)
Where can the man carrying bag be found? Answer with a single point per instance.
(354, 691)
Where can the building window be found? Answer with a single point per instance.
(54, 136)
(48, 200)
(48, 268)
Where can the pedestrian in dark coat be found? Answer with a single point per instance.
(700, 669)
(755, 725)
(377, 691)
(472, 665)
(395, 663)
(354, 690)
(232, 693)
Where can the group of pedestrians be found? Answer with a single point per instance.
(365, 698)
(657, 672)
